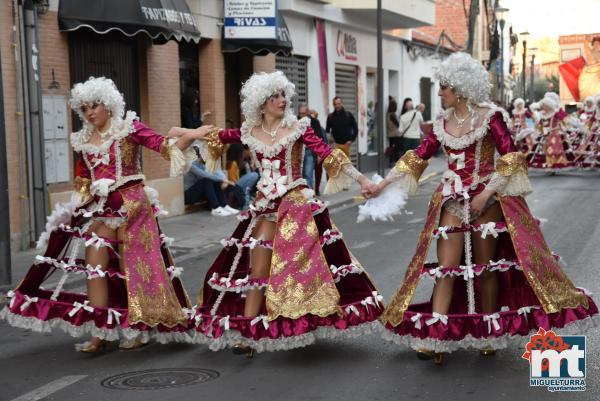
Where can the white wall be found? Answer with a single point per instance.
(410, 75)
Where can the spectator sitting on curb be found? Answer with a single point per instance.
(200, 184)
(240, 173)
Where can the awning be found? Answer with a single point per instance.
(281, 44)
(161, 20)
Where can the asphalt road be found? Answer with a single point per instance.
(34, 366)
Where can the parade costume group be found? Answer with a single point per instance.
(555, 141)
(314, 287)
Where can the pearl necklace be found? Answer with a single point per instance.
(105, 134)
(461, 121)
(272, 134)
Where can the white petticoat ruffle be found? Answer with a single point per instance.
(575, 327)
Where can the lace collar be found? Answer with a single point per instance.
(80, 139)
(271, 150)
(467, 140)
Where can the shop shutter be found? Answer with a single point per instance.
(294, 68)
(345, 88)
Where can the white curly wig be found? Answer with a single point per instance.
(98, 90)
(257, 90)
(466, 76)
(549, 101)
(518, 101)
(554, 96)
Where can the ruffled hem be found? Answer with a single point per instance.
(575, 327)
(181, 160)
(220, 331)
(337, 184)
(90, 328)
(73, 310)
(446, 333)
(231, 338)
(518, 185)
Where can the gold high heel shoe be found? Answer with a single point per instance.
(439, 358)
(426, 355)
(128, 345)
(241, 349)
(487, 352)
(90, 347)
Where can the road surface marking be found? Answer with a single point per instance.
(363, 244)
(391, 232)
(417, 220)
(50, 388)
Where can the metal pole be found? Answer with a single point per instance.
(524, 75)
(531, 91)
(380, 119)
(5, 262)
(502, 63)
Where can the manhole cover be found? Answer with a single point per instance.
(155, 379)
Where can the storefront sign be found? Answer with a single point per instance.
(253, 19)
(347, 46)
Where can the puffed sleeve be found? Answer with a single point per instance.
(147, 137)
(229, 135)
(213, 146)
(339, 168)
(82, 182)
(410, 167)
(510, 177)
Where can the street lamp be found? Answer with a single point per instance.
(524, 76)
(500, 13)
(533, 50)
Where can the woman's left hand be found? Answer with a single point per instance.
(479, 201)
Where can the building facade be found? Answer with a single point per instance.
(159, 74)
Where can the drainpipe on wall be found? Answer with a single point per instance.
(5, 264)
(33, 118)
(24, 239)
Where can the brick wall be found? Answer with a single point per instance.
(212, 81)
(163, 100)
(450, 18)
(264, 63)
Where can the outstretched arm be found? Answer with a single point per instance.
(411, 165)
(339, 168)
(173, 149)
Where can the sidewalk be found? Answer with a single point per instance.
(198, 233)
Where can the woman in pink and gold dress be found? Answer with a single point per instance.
(109, 233)
(285, 276)
(552, 146)
(495, 277)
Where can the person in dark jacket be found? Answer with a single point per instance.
(342, 126)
